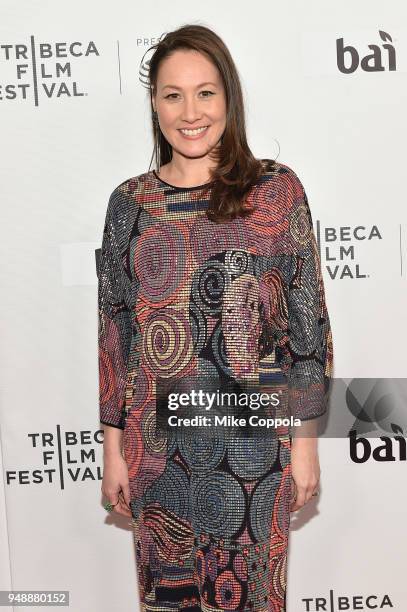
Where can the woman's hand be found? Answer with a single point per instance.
(305, 471)
(115, 483)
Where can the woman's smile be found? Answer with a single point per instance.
(194, 134)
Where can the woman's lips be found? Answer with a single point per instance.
(194, 136)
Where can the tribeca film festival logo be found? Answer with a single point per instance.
(381, 58)
(340, 244)
(336, 603)
(61, 456)
(41, 70)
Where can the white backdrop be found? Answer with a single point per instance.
(76, 125)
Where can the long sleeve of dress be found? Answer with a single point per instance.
(310, 344)
(114, 324)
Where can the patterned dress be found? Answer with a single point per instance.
(180, 295)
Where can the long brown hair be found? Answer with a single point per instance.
(237, 169)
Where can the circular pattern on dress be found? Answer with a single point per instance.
(154, 439)
(201, 454)
(251, 458)
(279, 265)
(171, 490)
(273, 297)
(208, 286)
(228, 591)
(272, 201)
(261, 505)
(300, 223)
(213, 495)
(167, 346)
(159, 262)
(207, 238)
(239, 262)
(144, 479)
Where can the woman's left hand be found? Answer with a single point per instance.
(305, 471)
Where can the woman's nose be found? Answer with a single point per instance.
(190, 111)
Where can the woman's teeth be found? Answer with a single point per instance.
(193, 132)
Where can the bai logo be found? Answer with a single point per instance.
(377, 433)
(381, 58)
(391, 449)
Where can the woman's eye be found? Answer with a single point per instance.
(210, 93)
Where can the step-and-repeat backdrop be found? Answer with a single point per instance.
(325, 92)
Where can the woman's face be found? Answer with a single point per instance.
(190, 95)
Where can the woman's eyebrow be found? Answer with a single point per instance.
(200, 85)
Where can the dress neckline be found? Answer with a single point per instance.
(178, 187)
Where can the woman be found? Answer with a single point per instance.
(209, 268)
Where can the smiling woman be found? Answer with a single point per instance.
(199, 120)
(191, 117)
(209, 275)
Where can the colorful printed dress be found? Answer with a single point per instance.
(180, 295)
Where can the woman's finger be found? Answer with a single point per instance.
(301, 496)
(126, 494)
(304, 494)
(122, 508)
